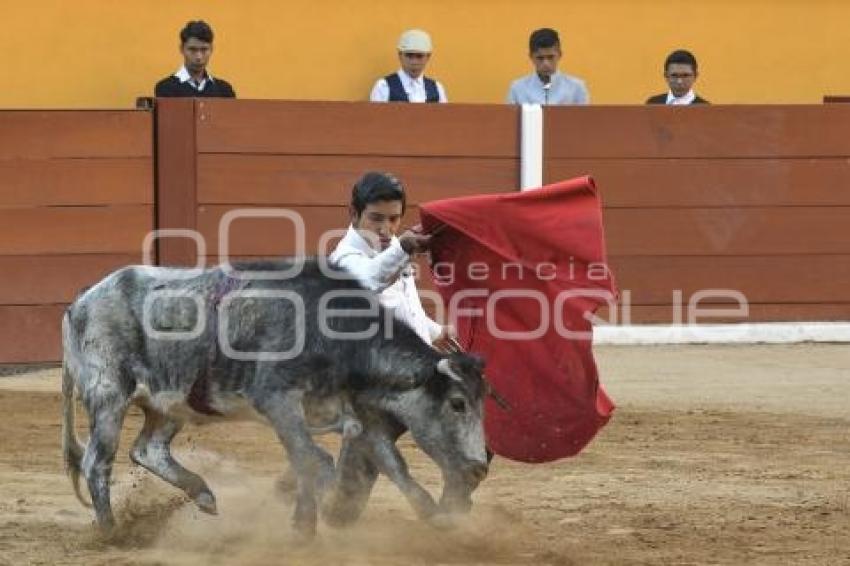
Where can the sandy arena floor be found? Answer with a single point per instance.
(716, 455)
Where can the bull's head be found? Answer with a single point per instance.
(450, 429)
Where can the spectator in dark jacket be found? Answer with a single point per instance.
(193, 78)
(680, 72)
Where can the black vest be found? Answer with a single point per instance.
(397, 93)
(171, 86)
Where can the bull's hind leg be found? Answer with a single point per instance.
(106, 416)
(356, 475)
(152, 451)
(287, 483)
(285, 413)
(323, 416)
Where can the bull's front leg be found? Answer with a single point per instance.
(390, 462)
(284, 411)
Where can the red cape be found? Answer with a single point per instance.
(548, 245)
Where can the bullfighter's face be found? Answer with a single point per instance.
(379, 222)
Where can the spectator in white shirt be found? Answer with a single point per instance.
(380, 260)
(409, 84)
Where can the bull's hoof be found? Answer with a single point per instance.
(424, 506)
(205, 501)
(301, 538)
(338, 519)
(108, 531)
(106, 526)
(303, 532)
(442, 521)
(455, 505)
(339, 513)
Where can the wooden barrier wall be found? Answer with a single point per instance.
(76, 200)
(751, 198)
(219, 155)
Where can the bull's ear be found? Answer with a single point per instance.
(478, 362)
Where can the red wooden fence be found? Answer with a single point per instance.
(750, 198)
(76, 200)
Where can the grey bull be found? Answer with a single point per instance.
(204, 345)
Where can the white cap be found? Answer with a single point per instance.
(414, 40)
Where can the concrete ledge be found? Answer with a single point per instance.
(741, 333)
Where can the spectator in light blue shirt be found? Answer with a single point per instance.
(547, 85)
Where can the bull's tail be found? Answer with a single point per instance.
(72, 450)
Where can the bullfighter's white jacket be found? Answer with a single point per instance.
(390, 274)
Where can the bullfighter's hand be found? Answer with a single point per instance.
(413, 242)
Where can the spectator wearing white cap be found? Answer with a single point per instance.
(409, 84)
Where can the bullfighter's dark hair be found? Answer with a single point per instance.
(199, 29)
(375, 186)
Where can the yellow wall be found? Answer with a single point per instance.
(103, 53)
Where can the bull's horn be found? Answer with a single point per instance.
(444, 367)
